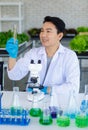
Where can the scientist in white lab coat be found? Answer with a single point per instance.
(60, 65)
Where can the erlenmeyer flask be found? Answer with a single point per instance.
(63, 119)
(72, 108)
(82, 118)
(45, 117)
(16, 108)
(35, 111)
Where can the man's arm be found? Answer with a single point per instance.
(11, 63)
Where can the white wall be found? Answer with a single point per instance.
(73, 12)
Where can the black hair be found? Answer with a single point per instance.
(59, 23)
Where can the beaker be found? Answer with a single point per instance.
(45, 117)
(35, 111)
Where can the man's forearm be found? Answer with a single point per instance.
(11, 63)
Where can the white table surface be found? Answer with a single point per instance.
(34, 122)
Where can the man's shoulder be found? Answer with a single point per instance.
(68, 50)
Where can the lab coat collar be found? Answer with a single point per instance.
(61, 49)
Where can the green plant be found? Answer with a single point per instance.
(82, 29)
(79, 43)
(4, 36)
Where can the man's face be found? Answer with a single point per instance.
(49, 36)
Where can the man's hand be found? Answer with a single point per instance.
(12, 48)
(47, 90)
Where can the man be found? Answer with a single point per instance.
(60, 65)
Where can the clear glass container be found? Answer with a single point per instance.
(82, 118)
(35, 111)
(72, 108)
(53, 106)
(63, 120)
(15, 108)
(45, 117)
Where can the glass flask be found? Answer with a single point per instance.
(72, 108)
(35, 111)
(63, 120)
(82, 118)
(16, 108)
(53, 106)
(45, 117)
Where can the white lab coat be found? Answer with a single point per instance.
(63, 73)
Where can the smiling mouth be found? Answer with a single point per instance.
(44, 40)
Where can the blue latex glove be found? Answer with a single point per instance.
(12, 48)
(46, 90)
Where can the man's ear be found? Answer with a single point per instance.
(60, 36)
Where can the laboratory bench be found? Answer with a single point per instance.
(34, 121)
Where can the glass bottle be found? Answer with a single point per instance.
(35, 111)
(82, 118)
(45, 117)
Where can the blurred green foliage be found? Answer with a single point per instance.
(82, 29)
(79, 43)
(4, 36)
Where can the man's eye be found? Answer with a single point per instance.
(48, 31)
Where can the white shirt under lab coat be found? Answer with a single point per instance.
(63, 73)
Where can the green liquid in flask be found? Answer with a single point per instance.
(81, 121)
(63, 121)
(45, 120)
(35, 112)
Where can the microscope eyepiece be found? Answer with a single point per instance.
(39, 61)
(32, 62)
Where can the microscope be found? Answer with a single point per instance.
(34, 87)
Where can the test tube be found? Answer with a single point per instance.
(15, 32)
